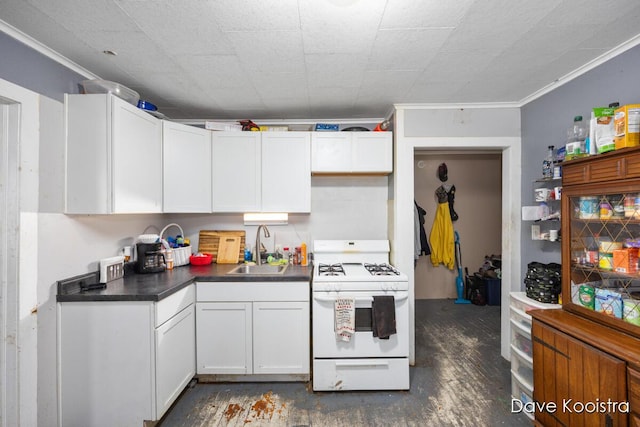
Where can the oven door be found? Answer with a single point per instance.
(362, 343)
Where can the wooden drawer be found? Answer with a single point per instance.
(574, 174)
(596, 170)
(634, 420)
(632, 166)
(634, 390)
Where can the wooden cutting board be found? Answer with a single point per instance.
(209, 242)
(228, 250)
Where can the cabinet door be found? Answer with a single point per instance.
(331, 151)
(186, 159)
(286, 172)
(236, 171)
(372, 152)
(136, 159)
(281, 337)
(567, 371)
(175, 357)
(223, 337)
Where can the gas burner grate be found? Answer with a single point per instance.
(331, 270)
(381, 269)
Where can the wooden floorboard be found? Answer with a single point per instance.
(459, 379)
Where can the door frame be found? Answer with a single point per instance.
(19, 113)
(401, 215)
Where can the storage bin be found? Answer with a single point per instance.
(523, 367)
(493, 291)
(521, 301)
(521, 338)
(520, 392)
(520, 317)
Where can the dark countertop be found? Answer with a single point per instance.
(156, 286)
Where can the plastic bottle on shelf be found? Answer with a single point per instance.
(303, 254)
(576, 136)
(547, 163)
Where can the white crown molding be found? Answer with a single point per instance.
(631, 43)
(45, 50)
(446, 106)
(268, 122)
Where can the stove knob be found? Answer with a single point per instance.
(385, 287)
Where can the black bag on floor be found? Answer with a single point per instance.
(476, 289)
(543, 282)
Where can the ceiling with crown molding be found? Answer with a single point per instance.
(302, 59)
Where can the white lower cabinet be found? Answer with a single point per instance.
(124, 362)
(223, 336)
(252, 329)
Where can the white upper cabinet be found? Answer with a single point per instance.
(286, 172)
(352, 152)
(331, 152)
(186, 156)
(372, 152)
(114, 156)
(261, 171)
(236, 171)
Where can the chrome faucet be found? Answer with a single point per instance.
(258, 244)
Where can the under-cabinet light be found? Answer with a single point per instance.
(266, 218)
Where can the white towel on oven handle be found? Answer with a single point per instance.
(345, 318)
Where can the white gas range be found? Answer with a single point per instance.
(375, 354)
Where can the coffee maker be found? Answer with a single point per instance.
(150, 258)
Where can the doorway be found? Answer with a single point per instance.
(477, 178)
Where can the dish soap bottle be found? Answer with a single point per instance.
(547, 163)
(303, 254)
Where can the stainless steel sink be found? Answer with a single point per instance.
(247, 269)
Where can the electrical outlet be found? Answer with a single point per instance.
(111, 269)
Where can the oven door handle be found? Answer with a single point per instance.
(359, 299)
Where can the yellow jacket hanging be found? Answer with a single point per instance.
(441, 238)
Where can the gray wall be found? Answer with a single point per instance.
(545, 121)
(30, 69)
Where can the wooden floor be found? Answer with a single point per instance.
(459, 379)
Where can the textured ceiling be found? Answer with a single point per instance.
(305, 59)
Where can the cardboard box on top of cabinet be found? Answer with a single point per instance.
(627, 126)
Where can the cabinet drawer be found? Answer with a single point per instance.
(596, 170)
(574, 174)
(634, 420)
(174, 304)
(632, 165)
(634, 390)
(606, 170)
(252, 291)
